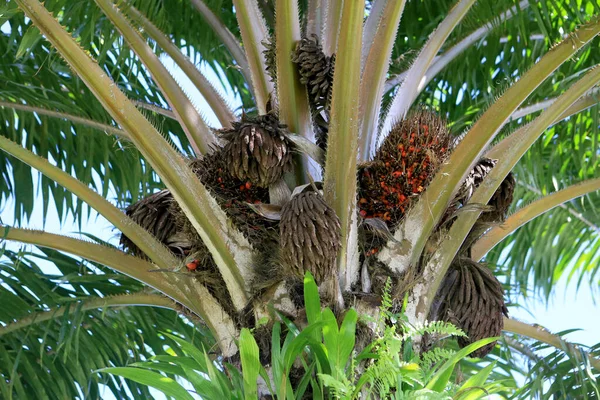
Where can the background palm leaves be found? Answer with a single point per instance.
(564, 242)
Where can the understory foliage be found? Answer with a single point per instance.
(322, 361)
(365, 192)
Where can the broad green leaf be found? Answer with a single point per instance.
(250, 363)
(473, 388)
(347, 336)
(190, 349)
(216, 376)
(439, 381)
(330, 337)
(153, 379)
(293, 348)
(312, 301)
(203, 386)
(320, 352)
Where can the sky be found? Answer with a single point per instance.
(568, 307)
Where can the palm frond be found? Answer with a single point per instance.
(56, 358)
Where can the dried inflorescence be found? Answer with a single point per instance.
(321, 127)
(403, 167)
(483, 167)
(257, 149)
(472, 298)
(498, 204)
(501, 200)
(153, 213)
(309, 236)
(233, 195)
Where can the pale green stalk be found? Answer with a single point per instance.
(134, 267)
(371, 26)
(198, 133)
(157, 252)
(292, 97)
(423, 217)
(416, 76)
(230, 250)
(124, 300)
(69, 117)
(179, 287)
(342, 146)
(587, 101)
(542, 335)
(315, 17)
(309, 148)
(375, 72)
(574, 213)
(154, 108)
(331, 32)
(254, 33)
(526, 214)
(227, 38)
(214, 99)
(441, 61)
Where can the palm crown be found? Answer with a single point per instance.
(375, 141)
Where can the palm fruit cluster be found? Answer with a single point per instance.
(472, 298)
(257, 149)
(402, 167)
(153, 214)
(309, 236)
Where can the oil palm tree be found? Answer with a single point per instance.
(376, 140)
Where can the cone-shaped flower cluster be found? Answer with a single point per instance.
(309, 236)
(402, 167)
(316, 71)
(473, 299)
(257, 149)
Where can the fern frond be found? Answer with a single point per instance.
(438, 328)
